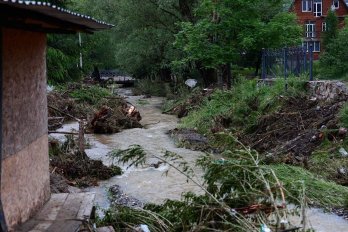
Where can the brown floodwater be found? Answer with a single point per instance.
(152, 185)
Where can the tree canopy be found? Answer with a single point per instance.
(159, 38)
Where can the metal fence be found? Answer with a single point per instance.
(287, 61)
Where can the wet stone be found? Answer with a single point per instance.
(119, 198)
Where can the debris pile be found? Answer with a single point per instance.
(114, 116)
(61, 105)
(181, 109)
(78, 169)
(296, 130)
(106, 114)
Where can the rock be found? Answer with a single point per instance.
(343, 152)
(342, 171)
(118, 197)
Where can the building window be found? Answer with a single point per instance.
(317, 8)
(323, 26)
(307, 5)
(315, 44)
(335, 4)
(310, 29)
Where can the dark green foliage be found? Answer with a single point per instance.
(335, 58)
(331, 28)
(63, 59)
(90, 94)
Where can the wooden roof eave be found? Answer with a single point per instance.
(45, 18)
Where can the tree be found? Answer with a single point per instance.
(227, 30)
(331, 28)
(333, 61)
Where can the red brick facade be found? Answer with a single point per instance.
(312, 14)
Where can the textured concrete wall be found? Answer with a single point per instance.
(25, 183)
(25, 174)
(25, 101)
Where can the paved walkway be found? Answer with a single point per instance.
(64, 212)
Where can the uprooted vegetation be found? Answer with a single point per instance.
(241, 194)
(285, 126)
(104, 112)
(70, 166)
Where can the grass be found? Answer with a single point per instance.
(318, 190)
(244, 104)
(343, 115)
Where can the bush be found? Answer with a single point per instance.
(343, 116)
(152, 88)
(90, 94)
(334, 60)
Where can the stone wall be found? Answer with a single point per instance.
(328, 90)
(25, 170)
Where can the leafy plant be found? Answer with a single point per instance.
(244, 104)
(234, 187)
(90, 94)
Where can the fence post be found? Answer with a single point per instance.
(263, 65)
(311, 61)
(285, 58)
(304, 52)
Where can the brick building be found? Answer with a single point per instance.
(312, 14)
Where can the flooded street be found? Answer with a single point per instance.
(151, 185)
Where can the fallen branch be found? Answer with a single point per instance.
(69, 115)
(62, 132)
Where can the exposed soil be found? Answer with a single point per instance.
(291, 134)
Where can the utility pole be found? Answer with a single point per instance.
(80, 43)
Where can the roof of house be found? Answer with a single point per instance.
(46, 17)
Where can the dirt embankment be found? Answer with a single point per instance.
(303, 131)
(296, 130)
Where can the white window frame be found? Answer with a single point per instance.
(306, 45)
(323, 26)
(307, 5)
(335, 4)
(310, 29)
(316, 5)
(314, 47)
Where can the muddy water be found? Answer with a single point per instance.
(149, 184)
(146, 183)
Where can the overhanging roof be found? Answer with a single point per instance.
(46, 17)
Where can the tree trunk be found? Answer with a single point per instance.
(229, 75)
